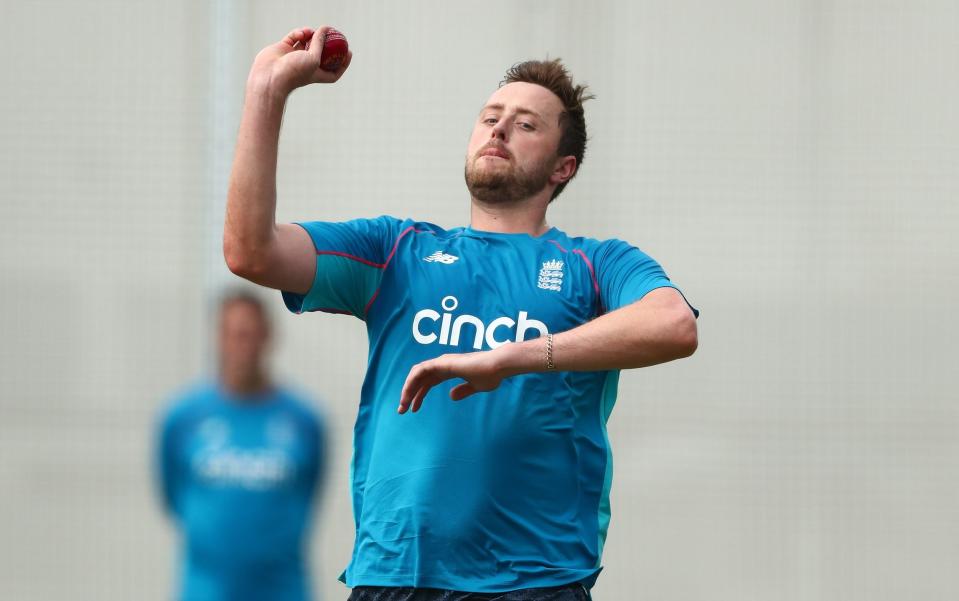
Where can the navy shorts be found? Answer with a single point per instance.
(569, 592)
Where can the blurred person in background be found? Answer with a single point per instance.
(505, 496)
(239, 460)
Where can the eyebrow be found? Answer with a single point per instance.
(520, 110)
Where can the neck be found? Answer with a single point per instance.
(244, 382)
(522, 217)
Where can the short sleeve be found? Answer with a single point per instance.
(626, 274)
(350, 259)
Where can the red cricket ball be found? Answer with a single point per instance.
(334, 50)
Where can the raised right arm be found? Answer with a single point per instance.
(256, 247)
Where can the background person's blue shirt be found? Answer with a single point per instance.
(238, 475)
(504, 490)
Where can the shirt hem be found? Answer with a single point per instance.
(447, 582)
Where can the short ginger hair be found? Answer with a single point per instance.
(552, 75)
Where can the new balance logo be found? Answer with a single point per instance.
(551, 276)
(441, 257)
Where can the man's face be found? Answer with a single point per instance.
(243, 337)
(512, 153)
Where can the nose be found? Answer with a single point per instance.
(500, 131)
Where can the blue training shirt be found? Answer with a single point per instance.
(238, 475)
(503, 490)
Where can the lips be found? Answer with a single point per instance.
(494, 151)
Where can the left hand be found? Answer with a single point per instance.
(480, 370)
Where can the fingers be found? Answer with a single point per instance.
(298, 38)
(420, 380)
(424, 376)
(412, 398)
(315, 45)
(413, 388)
(323, 76)
(461, 391)
(418, 399)
(302, 50)
(345, 65)
(405, 399)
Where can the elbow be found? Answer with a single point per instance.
(240, 260)
(678, 337)
(675, 337)
(686, 336)
(236, 260)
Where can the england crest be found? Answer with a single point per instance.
(551, 276)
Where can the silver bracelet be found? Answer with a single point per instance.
(549, 352)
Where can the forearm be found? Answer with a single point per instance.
(250, 226)
(655, 330)
(659, 328)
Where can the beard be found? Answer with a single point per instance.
(501, 186)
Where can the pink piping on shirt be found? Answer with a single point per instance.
(367, 262)
(592, 274)
(354, 257)
(390, 258)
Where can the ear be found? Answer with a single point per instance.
(564, 170)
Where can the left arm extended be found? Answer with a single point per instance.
(658, 328)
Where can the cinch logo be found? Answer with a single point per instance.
(253, 469)
(450, 330)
